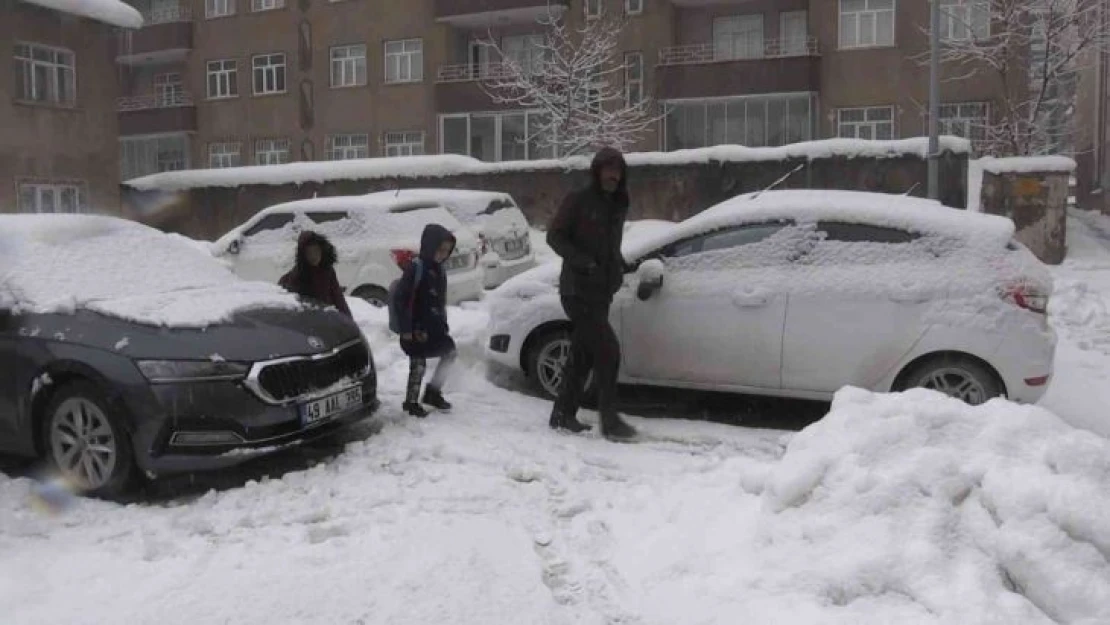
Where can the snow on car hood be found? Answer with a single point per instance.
(59, 263)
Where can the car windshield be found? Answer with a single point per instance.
(49, 258)
(498, 205)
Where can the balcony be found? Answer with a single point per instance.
(459, 88)
(706, 70)
(157, 113)
(485, 13)
(166, 37)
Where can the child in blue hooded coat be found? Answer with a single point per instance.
(422, 316)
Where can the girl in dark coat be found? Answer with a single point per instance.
(422, 316)
(313, 274)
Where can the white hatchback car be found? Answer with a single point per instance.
(369, 235)
(499, 222)
(799, 293)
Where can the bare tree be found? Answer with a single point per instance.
(578, 82)
(1034, 51)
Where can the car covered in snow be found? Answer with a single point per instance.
(126, 352)
(499, 222)
(800, 293)
(372, 236)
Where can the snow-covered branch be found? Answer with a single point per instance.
(588, 94)
(1033, 52)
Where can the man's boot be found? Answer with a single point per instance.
(412, 389)
(561, 421)
(434, 398)
(614, 428)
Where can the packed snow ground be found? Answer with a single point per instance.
(892, 509)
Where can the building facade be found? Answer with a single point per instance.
(59, 135)
(221, 83)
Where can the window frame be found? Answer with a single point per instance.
(348, 64)
(210, 6)
(254, 228)
(263, 6)
(235, 158)
(685, 118)
(348, 151)
(670, 250)
(222, 75)
(948, 20)
(531, 152)
(598, 7)
(267, 151)
(873, 124)
(59, 73)
(631, 82)
(57, 188)
(823, 229)
(406, 146)
(269, 73)
(972, 123)
(634, 7)
(857, 45)
(404, 59)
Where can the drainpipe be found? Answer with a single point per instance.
(934, 101)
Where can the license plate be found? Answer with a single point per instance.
(328, 407)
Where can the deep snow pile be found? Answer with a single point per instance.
(922, 507)
(111, 12)
(59, 263)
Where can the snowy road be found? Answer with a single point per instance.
(908, 509)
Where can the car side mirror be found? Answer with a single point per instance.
(650, 278)
(235, 246)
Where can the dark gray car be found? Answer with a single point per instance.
(105, 397)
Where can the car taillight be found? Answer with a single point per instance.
(402, 257)
(1026, 296)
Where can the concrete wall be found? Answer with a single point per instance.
(660, 192)
(1037, 203)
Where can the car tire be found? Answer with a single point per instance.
(549, 354)
(957, 376)
(86, 442)
(373, 295)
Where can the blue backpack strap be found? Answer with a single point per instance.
(418, 273)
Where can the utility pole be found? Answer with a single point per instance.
(934, 102)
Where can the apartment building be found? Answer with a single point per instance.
(221, 83)
(58, 122)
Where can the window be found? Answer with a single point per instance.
(266, 5)
(273, 221)
(348, 66)
(269, 74)
(44, 74)
(404, 61)
(633, 7)
(141, 156)
(223, 79)
(525, 51)
(633, 79)
(495, 136)
(169, 90)
(37, 197)
(592, 8)
(225, 154)
(218, 8)
(963, 20)
(793, 33)
(344, 147)
(865, 123)
(738, 37)
(323, 217)
(968, 120)
(754, 121)
(866, 23)
(271, 151)
(725, 239)
(863, 233)
(404, 143)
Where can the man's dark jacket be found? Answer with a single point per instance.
(587, 232)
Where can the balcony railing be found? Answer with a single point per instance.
(710, 52)
(167, 15)
(154, 101)
(472, 71)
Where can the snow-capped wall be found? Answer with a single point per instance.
(1027, 164)
(111, 12)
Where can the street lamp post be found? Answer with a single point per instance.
(934, 101)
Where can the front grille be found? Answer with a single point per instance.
(512, 249)
(287, 380)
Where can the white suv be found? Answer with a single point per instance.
(369, 235)
(499, 222)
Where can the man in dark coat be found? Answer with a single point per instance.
(587, 232)
(313, 273)
(423, 319)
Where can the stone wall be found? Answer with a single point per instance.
(1037, 203)
(672, 192)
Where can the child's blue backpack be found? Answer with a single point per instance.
(394, 296)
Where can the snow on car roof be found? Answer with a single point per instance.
(469, 199)
(59, 263)
(894, 211)
(111, 12)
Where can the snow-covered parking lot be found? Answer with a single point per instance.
(892, 509)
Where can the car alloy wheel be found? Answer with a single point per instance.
(960, 377)
(550, 361)
(83, 444)
(375, 296)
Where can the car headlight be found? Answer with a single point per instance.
(162, 371)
